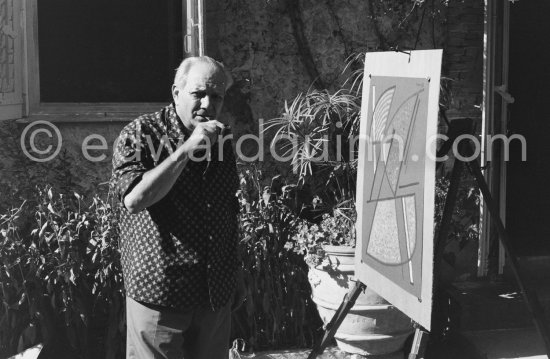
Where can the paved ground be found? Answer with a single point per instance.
(490, 344)
(330, 353)
(509, 343)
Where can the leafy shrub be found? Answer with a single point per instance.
(60, 275)
(61, 279)
(278, 312)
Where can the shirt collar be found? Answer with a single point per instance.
(176, 125)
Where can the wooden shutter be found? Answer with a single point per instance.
(11, 59)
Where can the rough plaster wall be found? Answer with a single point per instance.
(17, 172)
(257, 41)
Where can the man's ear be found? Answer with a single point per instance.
(175, 92)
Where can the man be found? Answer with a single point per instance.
(179, 220)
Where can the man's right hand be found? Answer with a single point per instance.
(204, 136)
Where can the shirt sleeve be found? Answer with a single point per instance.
(130, 160)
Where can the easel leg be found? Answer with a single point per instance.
(419, 344)
(337, 319)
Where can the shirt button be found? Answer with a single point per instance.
(209, 266)
(208, 205)
(210, 237)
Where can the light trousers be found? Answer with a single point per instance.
(158, 332)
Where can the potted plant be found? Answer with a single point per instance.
(373, 326)
(320, 128)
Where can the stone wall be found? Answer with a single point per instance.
(280, 48)
(72, 169)
(259, 41)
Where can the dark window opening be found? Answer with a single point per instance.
(108, 50)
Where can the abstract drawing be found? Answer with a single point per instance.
(393, 211)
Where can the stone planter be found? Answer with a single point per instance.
(373, 328)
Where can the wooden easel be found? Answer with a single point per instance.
(456, 128)
(420, 336)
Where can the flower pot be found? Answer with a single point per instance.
(373, 327)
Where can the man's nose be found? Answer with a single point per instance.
(206, 102)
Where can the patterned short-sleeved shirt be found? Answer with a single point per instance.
(180, 252)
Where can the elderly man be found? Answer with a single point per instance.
(179, 220)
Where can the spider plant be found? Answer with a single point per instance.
(309, 124)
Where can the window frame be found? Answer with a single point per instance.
(35, 109)
(12, 31)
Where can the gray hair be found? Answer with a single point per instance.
(186, 65)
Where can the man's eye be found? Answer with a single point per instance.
(198, 94)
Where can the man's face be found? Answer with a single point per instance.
(201, 98)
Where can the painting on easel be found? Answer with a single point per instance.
(393, 209)
(396, 181)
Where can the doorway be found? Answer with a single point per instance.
(528, 182)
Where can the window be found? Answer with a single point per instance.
(75, 60)
(108, 50)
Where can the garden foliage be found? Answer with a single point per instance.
(61, 280)
(278, 312)
(60, 275)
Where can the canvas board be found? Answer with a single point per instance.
(396, 179)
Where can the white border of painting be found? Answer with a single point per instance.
(420, 64)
